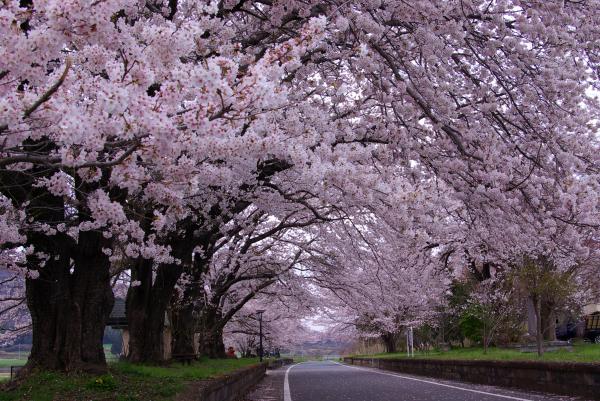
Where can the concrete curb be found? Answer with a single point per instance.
(574, 379)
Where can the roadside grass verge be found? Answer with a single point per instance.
(203, 369)
(303, 358)
(124, 382)
(581, 353)
(298, 359)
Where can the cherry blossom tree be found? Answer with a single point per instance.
(135, 133)
(79, 143)
(378, 279)
(285, 321)
(262, 252)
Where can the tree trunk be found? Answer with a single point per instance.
(548, 321)
(485, 337)
(69, 308)
(147, 305)
(531, 317)
(190, 316)
(146, 308)
(389, 341)
(211, 334)
(538, 324)
(211, 343)
(184, 328)
(71, 299)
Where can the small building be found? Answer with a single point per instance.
(118, 321)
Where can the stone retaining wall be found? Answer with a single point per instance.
(577, 379)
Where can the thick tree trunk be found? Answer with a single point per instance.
(146, 307)
(210, 342)
(71, 299)
(389, 341)
(218, 345)
(190, 315)
(184, 328)
(69, 308)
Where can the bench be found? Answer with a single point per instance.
(14, 370)
(185, 358)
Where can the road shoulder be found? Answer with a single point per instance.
(270, 387)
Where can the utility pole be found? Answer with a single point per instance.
(260, 335)
(410, 347)
(412, 343)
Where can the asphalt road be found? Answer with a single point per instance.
(330, 381)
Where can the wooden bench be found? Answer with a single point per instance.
(14, 370)
(185, 358)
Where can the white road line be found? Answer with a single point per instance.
(430, 382)
(286, 384)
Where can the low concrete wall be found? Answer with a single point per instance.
(577, 379)
(226, 388)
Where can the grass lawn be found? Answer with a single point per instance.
(125, 382)
(7, 363)
(11, 359)
(581, 353)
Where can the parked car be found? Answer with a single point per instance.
(592, 328)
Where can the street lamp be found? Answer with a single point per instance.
(260, 350)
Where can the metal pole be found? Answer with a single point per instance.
(410, 337)
(412, 343)
(260, 335)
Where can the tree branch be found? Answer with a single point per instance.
(46, 96)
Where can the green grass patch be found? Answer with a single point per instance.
(124, 382)
(196, 371)
(7, 363)
(303, 358)
(580, 353)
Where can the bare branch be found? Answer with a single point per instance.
(46, 96)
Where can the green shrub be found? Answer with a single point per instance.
(104, 383)
(471, 327)
(127, 398)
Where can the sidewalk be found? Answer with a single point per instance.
(270, 388)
